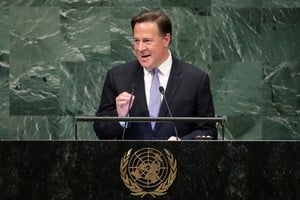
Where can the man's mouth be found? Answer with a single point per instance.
(145, 56)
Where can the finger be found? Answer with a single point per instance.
(123, 97)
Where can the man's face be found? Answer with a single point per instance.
(151, 48)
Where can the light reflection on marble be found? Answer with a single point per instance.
(281, 128)
(4, 63)
(281, 89)
(236, 34)
(236, 88)
(43, 128)
(88, 31)
(248, 127)
(34, 75)
(191, 41)
(190, 3)
(135, 3)
(4, 91)
(281, 3)
(281, 30)
(237, 3)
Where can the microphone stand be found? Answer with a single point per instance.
(162, 91)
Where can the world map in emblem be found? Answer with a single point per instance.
(148, 171)
(148, 167)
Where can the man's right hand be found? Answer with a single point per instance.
(122, 104)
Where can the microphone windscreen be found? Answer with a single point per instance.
(161, 89)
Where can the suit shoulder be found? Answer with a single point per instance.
(125, 67)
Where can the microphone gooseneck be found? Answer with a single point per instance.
(162, 91)
(129, 107)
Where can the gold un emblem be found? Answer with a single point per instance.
(148, 171)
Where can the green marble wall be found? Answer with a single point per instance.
(54, 55)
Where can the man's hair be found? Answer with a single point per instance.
(162, 20)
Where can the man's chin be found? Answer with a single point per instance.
(146, 66)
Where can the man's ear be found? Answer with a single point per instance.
(167, 39)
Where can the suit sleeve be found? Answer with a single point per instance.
(107, 108)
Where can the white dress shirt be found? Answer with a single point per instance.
(163, 75)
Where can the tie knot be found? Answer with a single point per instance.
(155, 71)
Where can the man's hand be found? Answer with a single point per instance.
(173, 138)
(122, 103)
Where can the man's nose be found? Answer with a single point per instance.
(141, 46)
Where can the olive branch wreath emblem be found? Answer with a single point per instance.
(135, 189)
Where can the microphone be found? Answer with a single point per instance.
(162, 91)
(129, 106)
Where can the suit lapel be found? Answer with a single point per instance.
(173, 83)
(140, 108)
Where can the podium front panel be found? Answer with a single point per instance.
(117, 169)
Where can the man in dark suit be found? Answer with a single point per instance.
(187, 88)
